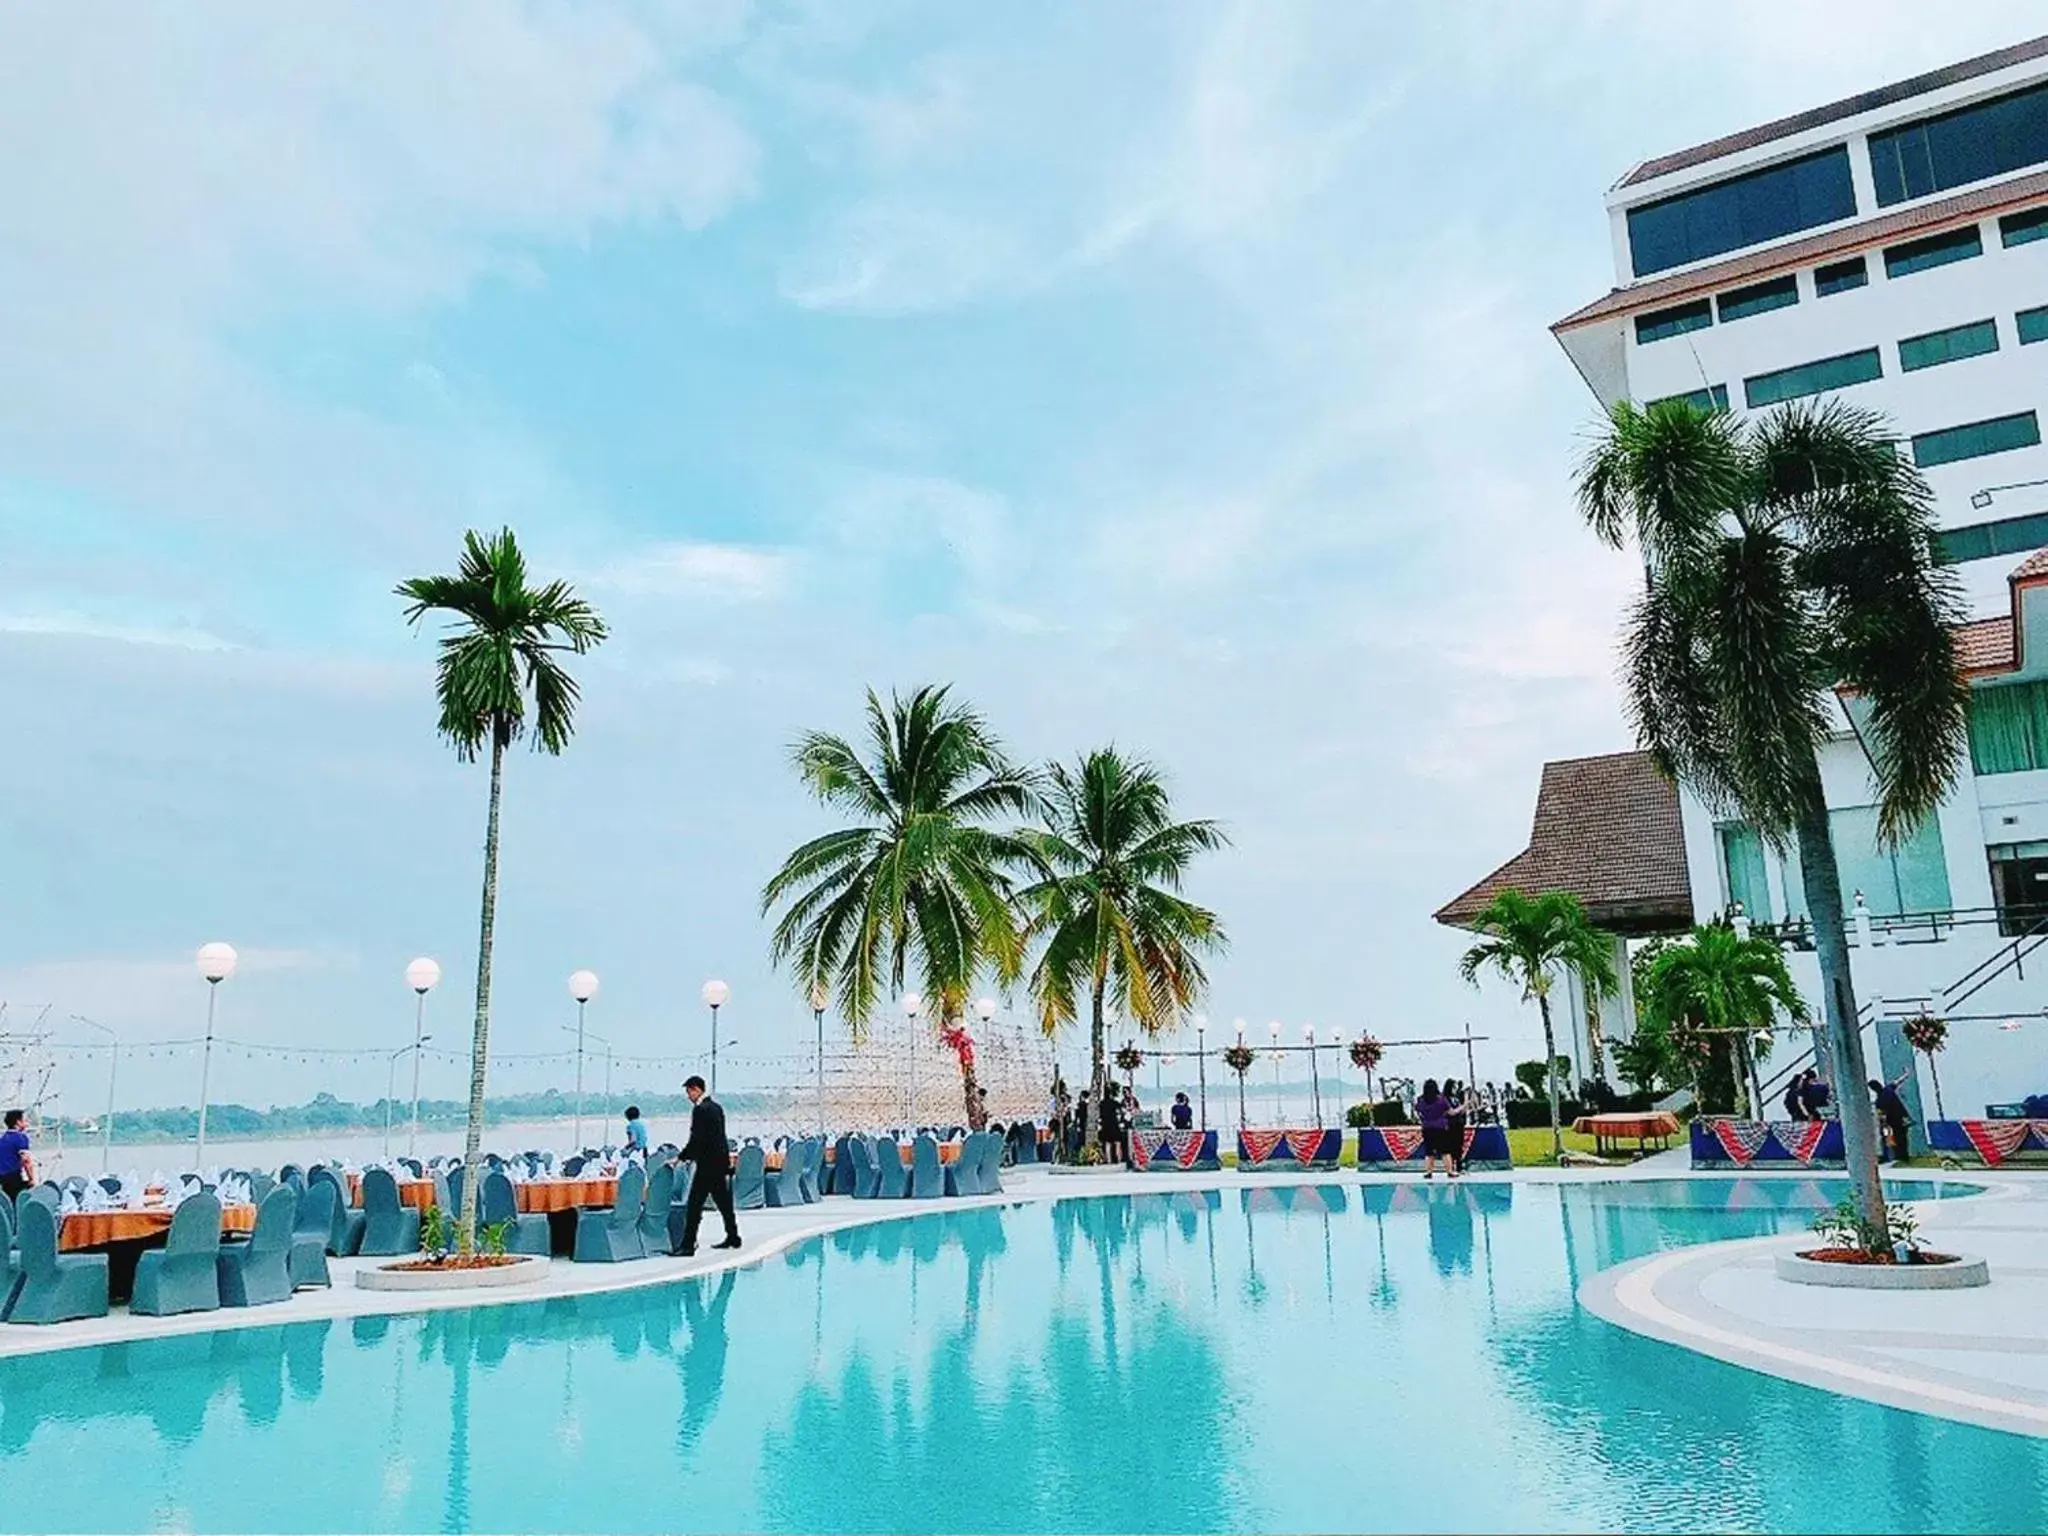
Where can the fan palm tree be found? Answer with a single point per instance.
(1787, 559)
(1530, 941)
(920, 884)
(504, 643)
(1727, 985)
(1107, 905)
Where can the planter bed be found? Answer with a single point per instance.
(1933, 1272)
(419, 1275)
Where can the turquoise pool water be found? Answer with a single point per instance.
(1341, 1356)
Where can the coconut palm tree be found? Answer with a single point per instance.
(1530, 941)
(1788, 560)
(504, 642)
(1729, 986)
(920, 884)
(1107, 906)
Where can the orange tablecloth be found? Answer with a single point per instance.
(1657, 1125)
(949, 1152)
(417, 1193)
(566, 1194)
(96, 1229)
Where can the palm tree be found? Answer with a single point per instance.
(1529, 941)
(1788, 559)
(504, 642)
(1107, 905)
(1727, 985)
(920, 884)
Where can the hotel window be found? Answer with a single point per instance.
(1977, 440)
(1934, 251)
(2033, 325)
(2009, 727)
(2020, 228)
(1745, 210)
(1742, 868)
(1840, 277)
(1949, 346)
(1759, 298)
(1957, 148)
(1913, 877)
(1812, 378)
(1659, 324)
(1980, 541)
(2019, 885)
(1713, 398)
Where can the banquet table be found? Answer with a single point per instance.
(100, 1229)
(949, 1151)
(417, 1193)
(548, 1195)
(1609, 1130)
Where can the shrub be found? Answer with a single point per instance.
(1527, 1114)
(1390, 1112)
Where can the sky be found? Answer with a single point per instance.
(1172, 375)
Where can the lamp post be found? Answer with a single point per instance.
(582, 987)
(216, 963)
(421, 975)
(1202, 1067)
(820, 996)
(714, 993)
(913, 1005)
(985, 1011)
(1279, 1109)
(1315, 1079)
(113, 1066)
(391, 1081)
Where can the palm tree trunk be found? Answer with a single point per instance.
(1939, 1112)
(1843, 1059)
(970, 1087)
(1550, 1077)
(1098, 1077)
(480, 1040)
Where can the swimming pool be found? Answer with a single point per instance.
(1354, 1356)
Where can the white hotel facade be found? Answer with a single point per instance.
(1892, 250)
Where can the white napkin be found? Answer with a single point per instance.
(95, 1198)
(67, 1204)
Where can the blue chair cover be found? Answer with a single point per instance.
(927, 1181)
(613, 1236)
(529, 1232)
(785, 1185)
(389, 1225)
(52, 1287)
(661, 1196)
(346, 1236)
(991, 1163)
(892, 1173)
(184, 1274)
(814, 1165)
(311, 1232)
(963, 1174)
(749, 1179)
(258, 1272)
(860, 1177)
(678, 1205)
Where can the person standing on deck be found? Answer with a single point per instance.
(708, 1150)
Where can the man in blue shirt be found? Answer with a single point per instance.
(636, 1130)
(1183, 1113)
(17, 1167)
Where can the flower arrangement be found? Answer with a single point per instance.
(1366, 1053)
(1128, 1059)
(1239, 1058)
(1927, 1034)
(956, 1039)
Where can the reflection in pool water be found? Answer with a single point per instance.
(1332, 1356)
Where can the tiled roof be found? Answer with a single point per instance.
(1607, 830)
(1870, 233)
(1985, 646)
(1835, 112)
(2033, 568)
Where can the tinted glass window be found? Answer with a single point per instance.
(1713, 398)
(2000, 435)
(1813, 378)
(2019, 228)
(1961, 147)
(1980, 541)
(1949, 346)
(2033, 325)
(1660, 323)
(1840, 277)
(1746, 210)
(1738, 303)
(1935, 251)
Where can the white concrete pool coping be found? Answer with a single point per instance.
(1975, 1356)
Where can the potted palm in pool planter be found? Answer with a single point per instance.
(444, 1265)
(1858, 1254)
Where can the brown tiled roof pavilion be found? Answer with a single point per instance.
(1607, 830)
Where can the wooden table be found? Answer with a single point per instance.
(566, 1194)
(417, 1193)
(100, 1229)
(1607, 1130)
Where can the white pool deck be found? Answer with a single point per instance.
(1977, 1356)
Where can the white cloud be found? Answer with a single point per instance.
(49, 622)
(681, 569)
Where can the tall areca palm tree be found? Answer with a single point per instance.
(1787, 559)
(920, 884)
(1724, 984)
(1107, 905)
(504, 643)
(1530, 941)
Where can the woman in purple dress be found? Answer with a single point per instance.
(1433, 1110)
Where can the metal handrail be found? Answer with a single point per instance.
(2005, 958)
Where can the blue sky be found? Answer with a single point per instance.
(1171, 374)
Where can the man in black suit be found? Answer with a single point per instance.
(713, 1179)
